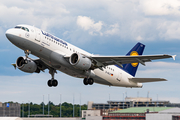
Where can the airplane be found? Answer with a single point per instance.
(56, 54)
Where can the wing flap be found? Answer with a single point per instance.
(145, 80)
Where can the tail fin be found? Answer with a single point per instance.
(131, 68)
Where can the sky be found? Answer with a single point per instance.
(104, 27)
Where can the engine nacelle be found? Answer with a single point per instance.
(28, 67)
(80, 61)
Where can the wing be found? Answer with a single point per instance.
(144, 80)
(119, 60)
(40, 64)
(102, 61)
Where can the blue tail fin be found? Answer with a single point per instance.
(131, 68)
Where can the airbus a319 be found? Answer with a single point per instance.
(56, 54)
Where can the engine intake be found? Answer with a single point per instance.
(80, 61)
(29, 66)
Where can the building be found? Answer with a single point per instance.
(10, 109)
(134, 113)
(168, 114)
(127, 103)
(86, 113)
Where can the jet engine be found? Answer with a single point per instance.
(80, 61)
(26, 65)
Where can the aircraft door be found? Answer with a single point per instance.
(119, 76)
(38, 35)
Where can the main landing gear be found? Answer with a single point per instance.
(52, 82)
(87, 81)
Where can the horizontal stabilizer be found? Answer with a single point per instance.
(144, 80)
(14, 65)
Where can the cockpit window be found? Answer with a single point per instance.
(27, 29)
(18, 27)
(23, 28)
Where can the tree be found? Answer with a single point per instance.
(66, 109)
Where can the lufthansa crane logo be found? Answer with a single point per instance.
(134, 53)
(27, 35)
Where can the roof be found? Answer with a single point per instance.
(141, 109)
(171, 111)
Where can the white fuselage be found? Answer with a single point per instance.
(51, 50)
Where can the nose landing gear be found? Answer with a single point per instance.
(27, 52)
(52, 82)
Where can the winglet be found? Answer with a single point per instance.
(173, 56)
(14, 65)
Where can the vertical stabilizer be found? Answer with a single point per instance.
(131, 68)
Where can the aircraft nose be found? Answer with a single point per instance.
(9, 34)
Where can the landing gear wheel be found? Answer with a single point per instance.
(54, 83)
(90, 81)
(49, 83)
(85, 81)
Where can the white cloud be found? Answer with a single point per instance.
(139, 38)
(38, 13)
(160, 7)
(122, 19)
(89, 24)
(158, 69)
(169, 30)
(9, 13)
(113, 30)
